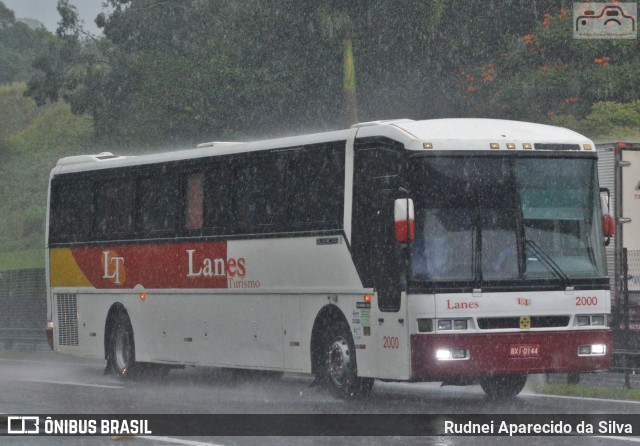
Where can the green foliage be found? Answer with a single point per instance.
(57, 128)
(19, 45)
(7, 16)
(587, 391)
(10, 261)
(175, 72)
(605, 115)
(547, 73)
(183, 72)
(16, 111)
(193, 70)
(32, 140)
(606, 121)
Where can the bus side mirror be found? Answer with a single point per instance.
(404, 220)
(608, 223)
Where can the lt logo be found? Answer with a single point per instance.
(112, 267)
(525, 322)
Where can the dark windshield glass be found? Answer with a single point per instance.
(500, 218)
(559, 212)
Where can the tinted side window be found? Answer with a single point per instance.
(194, 211)
(70, 212)
(114, 206)
(157, 203)
(316, 188)
(258, 193)
(218, 199)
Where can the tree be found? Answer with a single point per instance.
(336, 25)
(7, 16)
(546, 73)
(19, 46)
(186, 71)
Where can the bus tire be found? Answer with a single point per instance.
(338, 368)
(122, 352)
(503, 387)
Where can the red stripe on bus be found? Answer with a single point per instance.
(168, 265)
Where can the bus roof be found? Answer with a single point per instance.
(485, 134)
(460, 134)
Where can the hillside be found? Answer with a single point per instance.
(32, 139)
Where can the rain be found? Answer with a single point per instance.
(388, 214)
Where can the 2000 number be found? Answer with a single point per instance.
(583, 301)
(391, 342)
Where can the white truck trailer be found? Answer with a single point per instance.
(619, 173)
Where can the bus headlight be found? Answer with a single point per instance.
(583, 321)
(592, 350)
(445, 354)
(460, 324)
(444, 324)
(588, 320)
(452, 324)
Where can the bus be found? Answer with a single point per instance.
(464, 251)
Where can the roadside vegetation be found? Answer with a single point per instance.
(38, 137)
(585, 391)
(178, 73)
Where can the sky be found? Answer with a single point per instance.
(45, 11)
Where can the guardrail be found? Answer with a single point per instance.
(24, 306)
(32, 339)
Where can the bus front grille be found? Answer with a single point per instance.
(493, 323)
(67, 319)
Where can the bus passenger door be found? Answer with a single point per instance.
(392, 336)
(379, 258)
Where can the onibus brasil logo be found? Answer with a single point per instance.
(605, 20)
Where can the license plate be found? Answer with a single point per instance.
(524, 350)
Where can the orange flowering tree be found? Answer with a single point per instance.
(549, 76)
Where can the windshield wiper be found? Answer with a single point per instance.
(547, 261)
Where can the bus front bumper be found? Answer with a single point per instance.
(443, 356)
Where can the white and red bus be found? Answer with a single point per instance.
(454, 250)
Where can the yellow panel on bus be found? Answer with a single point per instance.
(65, 271)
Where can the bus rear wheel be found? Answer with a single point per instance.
(338, 369)
(122, 352)
(503, 387)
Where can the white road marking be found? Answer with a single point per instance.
(630, 439)
(178, 441)
(67, 383)
(544, 395)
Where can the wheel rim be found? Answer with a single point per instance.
(122, 350)
(339, 362)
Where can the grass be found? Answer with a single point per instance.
(11, 261)
(587, 391)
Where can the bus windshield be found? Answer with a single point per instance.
(502, 218)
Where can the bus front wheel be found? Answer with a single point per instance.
(122, 353)
(339, 369)
(502, 387)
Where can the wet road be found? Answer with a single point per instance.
(47, 386)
